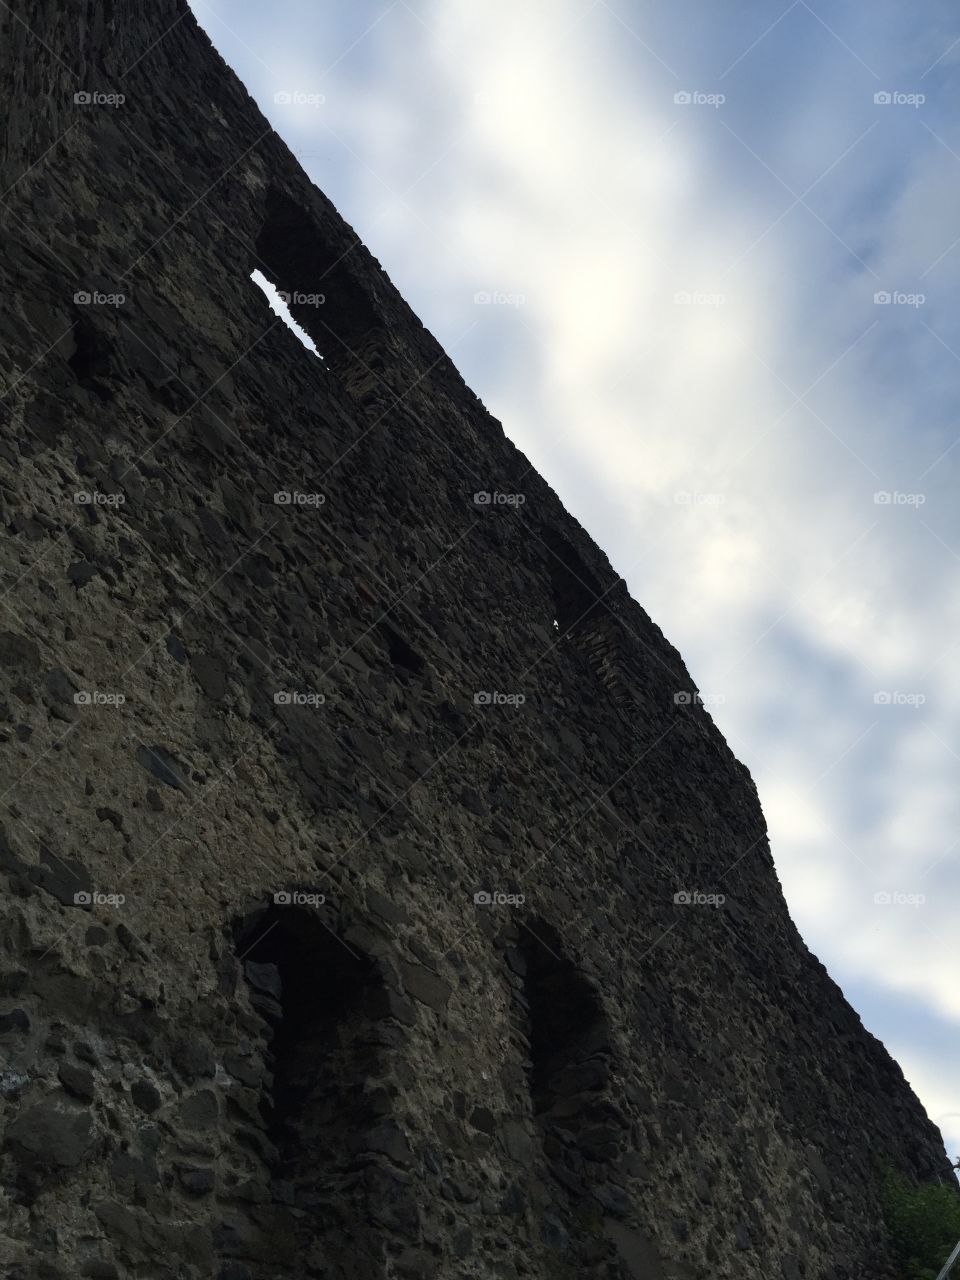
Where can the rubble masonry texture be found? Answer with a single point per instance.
(373, 1074)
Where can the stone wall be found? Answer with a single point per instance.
(321, 749)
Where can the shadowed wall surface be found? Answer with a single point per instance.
(417, 822)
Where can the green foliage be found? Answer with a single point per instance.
(923, 1221)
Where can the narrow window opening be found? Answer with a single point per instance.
(91, 360)
(584, 618)
(401, 654)
(577, 596)
(279, 307)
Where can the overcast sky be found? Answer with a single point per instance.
(689, 216)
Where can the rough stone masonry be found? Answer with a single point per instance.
(363, 839)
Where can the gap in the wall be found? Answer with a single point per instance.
(279, 308)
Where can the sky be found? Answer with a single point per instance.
(701, 261)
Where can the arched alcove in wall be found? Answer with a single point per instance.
(324, 1054)
(569, 1071)
(568, 1030)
